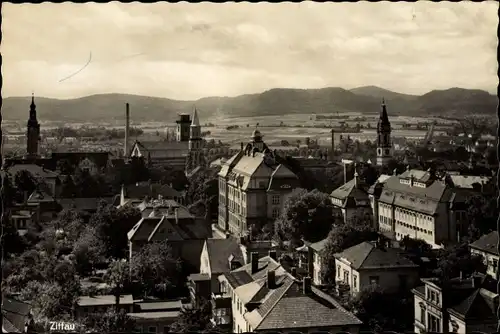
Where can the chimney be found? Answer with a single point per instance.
(461, 275)
(293, 271)
(271, 279)
(127, 129)
(25, 199)
(176, 214)
(254, 257)
(241, 146)
(273, 255)
(333, 144)
(355, 178)
(306, 285)
(411, 180)
(395, 171)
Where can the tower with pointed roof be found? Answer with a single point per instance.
(195, 141)
(33, 131)
(384, 145)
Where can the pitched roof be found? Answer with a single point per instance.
(142, 189)
(35, 170)
(244, 275)
(466, 181)
(104, 300)
(351, 192)
(487, 243)
(195, 121)
(14, 315)
(319, 246)
(368, 256)
(39, 196)
(219, 251)
(143, 229)
(162, 149)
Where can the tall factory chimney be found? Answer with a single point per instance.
(333, 145)
(127, 128)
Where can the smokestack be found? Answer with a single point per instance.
(127, 129)
(271, 279)
(273, 255)
(306, 285)
(333, 144)
(254, 257)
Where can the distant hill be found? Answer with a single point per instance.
(380, 93)
(108, 107)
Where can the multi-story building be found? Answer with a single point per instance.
(253, 188)
(368, 264)
(459, 305)
(264, 297)
(420, 205)
(487, 247)
(352, 199)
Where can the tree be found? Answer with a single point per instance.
(341, 237)
(155, 267)
(194, 320)
(306, 215)
(88, 250)
(117, 277)
(65, 167)
(25, 182)
(110, 322)
(112, 225)
(68, 187)
(395, 315)
(458, 259)
(482, 214)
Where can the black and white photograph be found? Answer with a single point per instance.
(236, 167)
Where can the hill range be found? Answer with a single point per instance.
(279, 101)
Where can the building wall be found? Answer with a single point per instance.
(317, 267)
(490, 260)
(430, 309)
(388, 279)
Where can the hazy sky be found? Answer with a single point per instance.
(188, 51)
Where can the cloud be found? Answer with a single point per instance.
(189, 51)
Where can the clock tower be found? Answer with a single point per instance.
(384, 145)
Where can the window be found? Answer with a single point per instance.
(346, 276)
(355, 281)
(276, 199)
(433, 323)
(152, 329)
(338, 271)
(276, 212)
(422, 313)
(374, 280)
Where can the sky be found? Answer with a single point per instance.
(187, 51)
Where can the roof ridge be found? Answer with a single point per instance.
(368, 254)
(292, 281)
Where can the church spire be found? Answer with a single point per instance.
(195, 121)
(33, 130)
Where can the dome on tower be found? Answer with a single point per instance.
(256, 134)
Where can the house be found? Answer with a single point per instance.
(264, 297)
(155, 316)
(41, 174)
(487, 247)
(89, 205)
(21, 219)
(261, 247)
(315, 255)
(352, 199)
(100, 304)
(168, 220)
(458, 305)
(47, 205)
(373, 263)
(253, 188)
(16, 316)
(220, 256)
(420, 205)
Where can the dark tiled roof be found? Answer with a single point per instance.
(163, 149)
(366, 255)
(219, 251)
(297, 310)
(487, 243)
(318, 246)
(85, 204)
(39, 196)
(143, 189)
(143, 229)
(238, 278)
(353, 189)
(15, 314)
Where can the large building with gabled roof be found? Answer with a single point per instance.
(265, 297)
(420, 205)
(253, 187)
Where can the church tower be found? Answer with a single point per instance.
(195, 141)
(384, 146)
(33, 133)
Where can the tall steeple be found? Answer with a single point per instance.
(384, 146)
(33, 130)
(195, 142)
